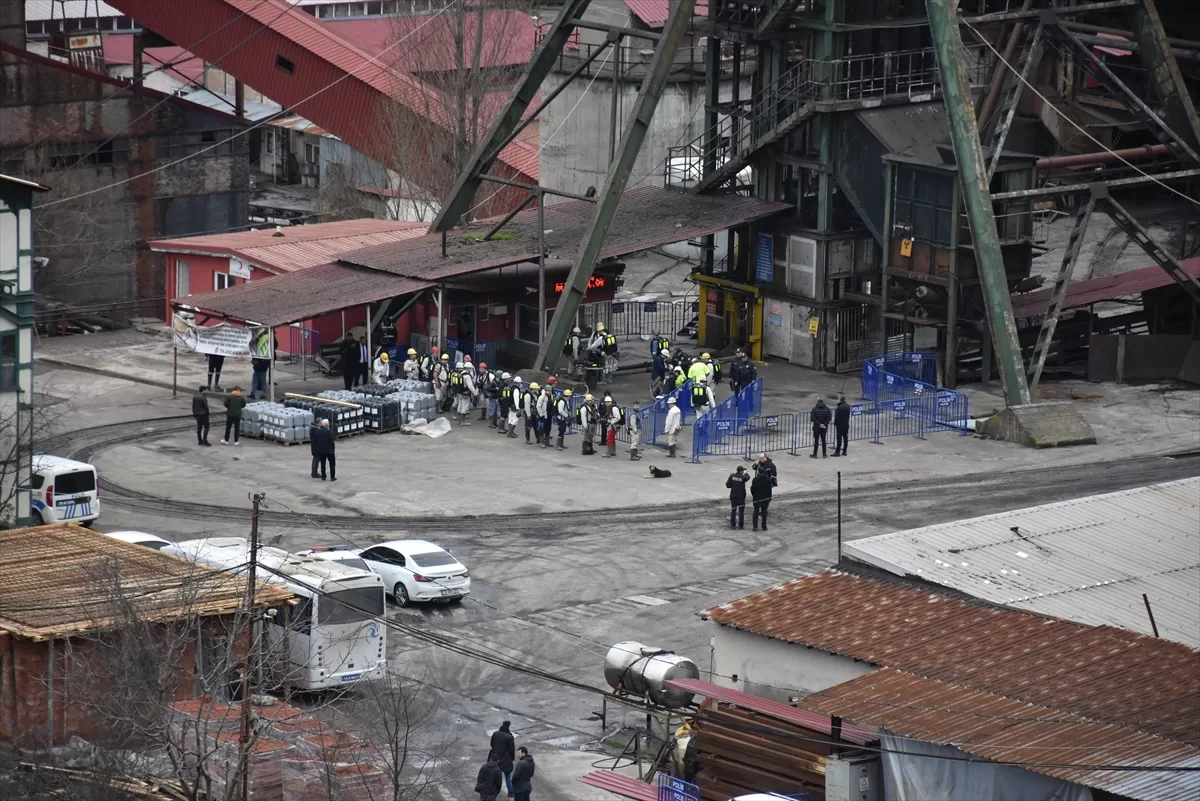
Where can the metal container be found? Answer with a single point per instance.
(644, 671)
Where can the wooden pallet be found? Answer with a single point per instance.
(290, 442)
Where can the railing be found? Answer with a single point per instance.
(918, 367)
(60, 320)
(304, 346)
(632, 319)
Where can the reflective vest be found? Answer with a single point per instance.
(698, 372)
(659, 344)
(699, 395)
(610, 343)
(506, 393)
(457, 383)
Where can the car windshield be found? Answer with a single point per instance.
(350, 606)
(432, 559)
(355, 563)
(70, 483)
(155, 544)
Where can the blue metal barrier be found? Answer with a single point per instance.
(950, 410)
(906, 366)
(750, 399)
(902, 417)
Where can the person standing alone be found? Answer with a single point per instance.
(522, 777)
(737, 497)
(672, 426)
(233, 416)
(258, 380)
(200, 412)
(503, 748)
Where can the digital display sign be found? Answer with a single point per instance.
(595, 282)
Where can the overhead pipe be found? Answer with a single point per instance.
(1104, 157)
(993, 93)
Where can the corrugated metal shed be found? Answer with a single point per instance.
(620, 784)
(39, 10)
(654, 12)
(508, 39)
(1041, 739)
(50, 590)
(1088, 559)
(1098, 290)
(304, 295)
(933, 633)
(300, 247)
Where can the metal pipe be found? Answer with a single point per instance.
(1103, 157)
(1005, 16)
(1060, 190)
(1188, 44)
(1186, 54)
(508, 217)
(1001, 72)
(536, 188)
(612, 118)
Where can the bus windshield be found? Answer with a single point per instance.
(350, 606)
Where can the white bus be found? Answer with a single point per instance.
(333, 637)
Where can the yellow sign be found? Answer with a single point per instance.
(905, 247)
(813, 325)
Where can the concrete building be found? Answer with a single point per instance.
(55, 626)
(16, 346)
(967, 678)
(110, 151)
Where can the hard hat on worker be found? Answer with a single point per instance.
(445, 357)
(566, 393)
(483, 365)
(599, 326)
(588, 397)
(705, 357)
(670, 401)
(534, 385)
(412, 351)
(383, 357)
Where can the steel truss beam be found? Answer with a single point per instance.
(614, 184)
(1162, 258)
(1087, 61)
(1049, 191)
(508, 122)
(1012, 97)
(1155, 48)
(972, 175)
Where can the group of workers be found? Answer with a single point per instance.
(598, 352)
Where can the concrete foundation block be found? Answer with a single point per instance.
(1040, 425)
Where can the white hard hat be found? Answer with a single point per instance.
(574, 330)
(517, 379)
(665, 352)
(505, 376)
(670, 400)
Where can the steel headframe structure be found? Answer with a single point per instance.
(509, 124)
(1179, 132)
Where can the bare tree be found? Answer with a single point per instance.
(21, 430)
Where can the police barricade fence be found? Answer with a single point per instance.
(903, 417)
(917, 366)
(304, 345)
(950, 410)
(750, 399)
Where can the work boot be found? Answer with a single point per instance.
(527, 442)
(512, 431)
(545, 440)
(503, 426)
(670, 451)
(612, 450)
(633, 456)
(812, 455)
(559, 444)
(482, 415)
(493, 423)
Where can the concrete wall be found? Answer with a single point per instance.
(776, 669)
(575, 144)
(96, 243)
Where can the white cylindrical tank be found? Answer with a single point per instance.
(643, 670)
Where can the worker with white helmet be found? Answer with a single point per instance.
(588, 418)
(510, 398)
(412, 367)
(573, 351)
(633, 424)
(441, 381)
(381, 370)
(673, 426)
(529, 400)
(562, 416)
(605, 342)
(489, 384)
(462, 386)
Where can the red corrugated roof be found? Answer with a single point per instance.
(118, 49)
(300, 247)
(1097, 290)
(620, 784)
(508, 39)
(304, 295)
(654, 12)
(1008, 652)
(1005, 730)
(775, 709)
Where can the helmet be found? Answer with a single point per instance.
(575, 330)
(434, 349)
(608, 399)
(664, 352)
(678, 369)
(483, 365)
(445, 357)
(588, 397)
(551, 380)
(383, 357)
(599, 326)
(506, 376)
(704, 357)
(566, 393)
(517, 379)
(534, 385)
(670, 401)
(412, 351)
(467, 359)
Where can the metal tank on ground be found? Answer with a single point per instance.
(644, 671)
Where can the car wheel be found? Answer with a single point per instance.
(400, 593)
(38, 520)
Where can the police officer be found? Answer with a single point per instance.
(412, 366)
(820, 416)
(841, 426)
(562, 416)
(672, 426)
(588, 416)
(529, 401)
(742, 373)
(634, 425)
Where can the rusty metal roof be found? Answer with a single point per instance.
(54, 584)
(300, 246)
(1098, 290)
(646, 217)
(303, 295)
(620, 784)
(1040, 739)
(940, 635)
(654, 12)
(775, 709)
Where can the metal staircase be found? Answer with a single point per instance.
(776, 16)
(772, 114)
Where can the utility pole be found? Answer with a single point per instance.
(251, 579)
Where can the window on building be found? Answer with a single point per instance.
(183, 279)
(312, 153)
(527, 327)
(176, 146)
(223, 280)
(285, 64)
(9, 341)
(923, 204)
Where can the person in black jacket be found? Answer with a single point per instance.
(741, 373)
(322, 449)
(258, 381)
(503, 747)
(820, 417)
(737, 497)
(350, 354)
(841, 426)
(522, 780)
(215, 363)
(760, 491)
(490, 780)
(200, 412)
(314, 442)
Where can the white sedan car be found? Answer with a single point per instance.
(139, 538)
(416, 570)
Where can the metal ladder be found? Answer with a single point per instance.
(1012, 94)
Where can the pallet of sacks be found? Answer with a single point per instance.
(210, 730)
(314, 778)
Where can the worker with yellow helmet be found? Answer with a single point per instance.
(412, 366)
(562, 416)
(588, 418)
(605, 342)
(381, 370)
(529, 399)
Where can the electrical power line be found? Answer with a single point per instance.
(350, 74)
